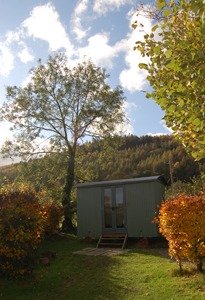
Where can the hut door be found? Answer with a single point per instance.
(114, 209)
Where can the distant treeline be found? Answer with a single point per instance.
(116, 158)
(141, 156)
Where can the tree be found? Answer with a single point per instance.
(176, 69)
(181, 221)
(62, 105)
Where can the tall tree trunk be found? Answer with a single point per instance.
(199, 266)
(67, 225)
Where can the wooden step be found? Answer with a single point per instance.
(112, 240)
(110, 244)
(109, 237)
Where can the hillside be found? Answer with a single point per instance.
(125, 157)
(140, 156)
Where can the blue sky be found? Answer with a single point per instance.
(96, 29)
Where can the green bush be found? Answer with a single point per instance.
(189, 188)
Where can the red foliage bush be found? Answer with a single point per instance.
(53, 214)
(21, 229)
(182, 222)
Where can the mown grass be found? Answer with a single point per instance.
(138, 274)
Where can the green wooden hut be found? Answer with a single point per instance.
(125, 206)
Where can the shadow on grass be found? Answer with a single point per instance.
(69, 276)
(80, 277)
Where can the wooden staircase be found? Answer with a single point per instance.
(114, 240)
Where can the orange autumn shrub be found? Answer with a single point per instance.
(21, 229)
(53, 215)
(182, 222)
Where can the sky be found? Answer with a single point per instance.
(99, 30)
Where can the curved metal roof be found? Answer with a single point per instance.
(159, 178)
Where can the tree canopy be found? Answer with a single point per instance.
(176, 69)
(62, 105)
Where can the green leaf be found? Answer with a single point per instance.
(166, 12)
(171, 109)
(134, 25)
(157, 50)
(181, 102)
(197, 122)
(161, 4)
(143, 66)
(154, 27)
(148, 95)
(168, 53)
(173, 65)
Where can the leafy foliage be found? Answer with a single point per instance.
(176, 70)
(47, 174)
(53, 215)
(189, 188)
(21, 229)
(181, 221)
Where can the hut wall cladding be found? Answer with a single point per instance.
(89, 212)
(142, 198)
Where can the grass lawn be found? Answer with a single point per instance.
(138, 274)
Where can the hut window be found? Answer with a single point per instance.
(108, 208)
(114, 208)
(119, 200)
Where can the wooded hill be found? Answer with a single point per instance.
(140, 156)
(121, 157)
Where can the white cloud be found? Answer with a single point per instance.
(81, 7)
(132, 77)
(13, 36)
(168, 130)
(6, 60)
(103, 6)
(24, 55)
(6, 133)
(163, 123)
(156, 134)
(127, 127)
(102, 53)
(121, 46)
(98, 50)
(86, 9)
(26, 81)
(124, 129)
(44, 24)
(78, 14)
(7, 56)
(130, 107)
(6, 161)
